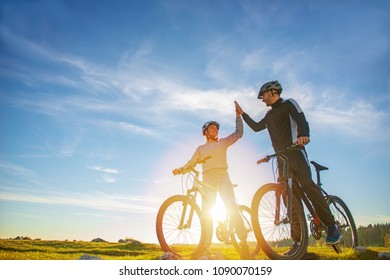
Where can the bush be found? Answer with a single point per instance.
(99, 240)
(22, 238)
(129, 240)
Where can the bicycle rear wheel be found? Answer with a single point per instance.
(344, 222)
(254, 246)
(180, 227)
(270, 225)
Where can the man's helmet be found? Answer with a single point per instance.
(207, 124)
(270, 85)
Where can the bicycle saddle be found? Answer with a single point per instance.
(319, 167)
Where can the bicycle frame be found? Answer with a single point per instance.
(292, 186)
(197, 186)
(181, 221)
(289, 186)
(280, 218)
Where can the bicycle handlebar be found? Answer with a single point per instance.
(293, 147)
(203, 160)
(192, 168)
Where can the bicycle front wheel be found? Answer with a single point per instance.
(180, 227)
(254, 246)
(279, 238)
(344, 222)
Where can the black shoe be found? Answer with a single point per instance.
(293, 249)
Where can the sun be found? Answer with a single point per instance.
(218, 211)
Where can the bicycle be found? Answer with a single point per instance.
(278, 216)
(180, 223)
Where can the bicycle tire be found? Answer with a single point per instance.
(188, 242)
(345, 223)
(254, 246)
(275, 239)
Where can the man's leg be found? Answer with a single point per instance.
(301, 169)
(303, 172)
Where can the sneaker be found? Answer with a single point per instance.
(244, 254)
(334, 235)
(293, 249)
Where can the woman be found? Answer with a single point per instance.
(215, 173)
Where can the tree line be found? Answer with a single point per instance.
(377, 235)
(374, 235)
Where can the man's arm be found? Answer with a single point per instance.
(256, 126)
(303, 126)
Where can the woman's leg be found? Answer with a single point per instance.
(227, 194)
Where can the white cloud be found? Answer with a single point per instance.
(252, 60)
(16, 169)
(104, 170)
(100, 201)
(332, 109)
(107, 173)
(126, 127)
(108, 179)
(152, 92)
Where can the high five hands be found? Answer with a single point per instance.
(239, 110)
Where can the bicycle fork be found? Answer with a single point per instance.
(186, 223)
(282, 199)
(288, 187)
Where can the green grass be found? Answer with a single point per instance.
(73, 250)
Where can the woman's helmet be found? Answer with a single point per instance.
(207, 124)
(270, 85)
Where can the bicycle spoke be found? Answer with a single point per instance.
(272, 227)
(180, 234)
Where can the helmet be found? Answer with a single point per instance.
(207, 124)
(270, 85)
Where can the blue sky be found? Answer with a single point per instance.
(100, 100)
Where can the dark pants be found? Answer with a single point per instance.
(300, 169)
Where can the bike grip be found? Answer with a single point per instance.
(178, 171)
(266, 159)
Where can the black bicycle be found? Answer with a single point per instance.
(278, 216)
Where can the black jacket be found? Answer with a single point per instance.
(285, 123)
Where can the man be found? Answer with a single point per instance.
(215, 173)
(286, 124)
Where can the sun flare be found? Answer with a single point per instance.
(218, 212)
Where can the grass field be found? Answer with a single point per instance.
(73, 250)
